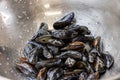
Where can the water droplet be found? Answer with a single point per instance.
(19, 16)
(28, 17)
(8, 58)
(23, 6)
(7, 63)
(20, 37)
(14, 44)
(6, 7)
(3, 48)
(27, 31)
(24, 12)
(97, 22)
(5, 72)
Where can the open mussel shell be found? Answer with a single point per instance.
(65, 21)
(48, 39)
(43, 39)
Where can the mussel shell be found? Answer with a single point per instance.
(32, 53)
(48, 63)
(43, 26)
(64, 34)
(71, 54)
(80, 65)
(48, 39)
(63, 22)
(23, 59)
(87, 47)
(26, 69)
(42, 74)
(43, 30)
(56, 42)
(84, 38)
(74, 72)
(92, 55)
(43, 39)
(53, 49)
(93, 76)
(98, 44)
(99, 65)
(80, 29)
(70, 62)
(54, 73)
(46, 53)
(75, 45)
(109, 61)
(83, 76)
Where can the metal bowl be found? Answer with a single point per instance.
(20, 19)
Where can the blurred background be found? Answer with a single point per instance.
(20, 19)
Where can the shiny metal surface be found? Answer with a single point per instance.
(19, 20)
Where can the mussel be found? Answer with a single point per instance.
(99, 65)
(48, 39)
(93, 76)
(64, 34)
(71, 54)
(43, 30)
(109, 61)
(48, 63)
(70, 62)
(54, 73)
(92, 55)
(42, 74)
(65, 21)
(75, 45)
(83, 76)
(32, 53)
(26, 69)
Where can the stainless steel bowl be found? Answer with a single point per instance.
(20, 19)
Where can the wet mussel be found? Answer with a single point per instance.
(70, 52)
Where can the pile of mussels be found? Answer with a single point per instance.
(69, 52)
